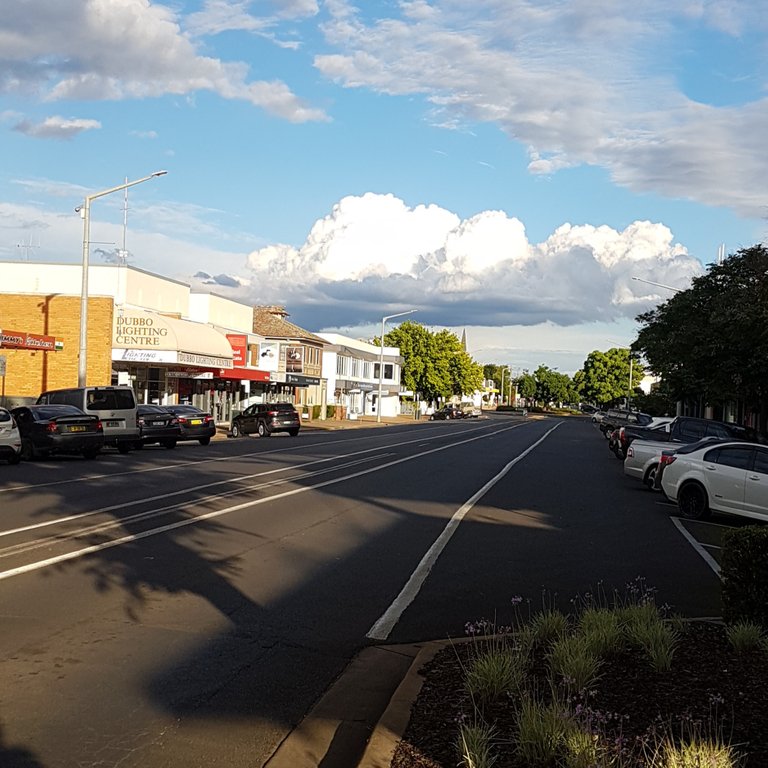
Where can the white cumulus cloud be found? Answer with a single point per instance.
(56, 127)
(375, 251)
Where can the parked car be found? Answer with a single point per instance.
(685, 429)
(619, 444)
(266, 418)
(730, 477)
(157, 425)
(54, 429)
(194, 424)
(10, 439)
(619, 417)
(644, 458)
(114, 406)
(447, 412)
(470, 411)
(598, 416)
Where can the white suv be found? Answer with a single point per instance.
(10, 440)
(728, 477)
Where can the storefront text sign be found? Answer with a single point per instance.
(239, 344)
(23, 340)
(210, 361)
(138, 331)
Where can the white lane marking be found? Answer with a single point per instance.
(708, 559)
(182, 465)
(384, 625)
(40, 564)
(242, 478)
(29, 546)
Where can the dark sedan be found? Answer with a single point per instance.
(55, 429)
(157, 425)
(447, 412)
(194, 424)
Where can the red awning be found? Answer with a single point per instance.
(251, 374)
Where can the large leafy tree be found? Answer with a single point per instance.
(605, 375)
(711, 341)
(553, 386)
(434, 364)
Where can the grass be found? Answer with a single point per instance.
(615, 685)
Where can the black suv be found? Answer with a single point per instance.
(266, 418)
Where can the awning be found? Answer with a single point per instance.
(141, 336)
(249, 374)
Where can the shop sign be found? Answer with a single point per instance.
(23, 340)
(301, 381)
(139, 331)
(209, 361)
(269, 355)
(239, 344)
(146, 355)
(189, 374)
(294, 359)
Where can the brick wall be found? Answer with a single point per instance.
(28, 373)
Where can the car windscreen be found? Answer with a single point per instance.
(45, 412)
(281, 407)
(4, 415)
(143, 409)
(111, 400)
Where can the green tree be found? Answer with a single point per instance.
(710, 342)
(605, 375)
(526, 385)
(552, 386)
(434, 364)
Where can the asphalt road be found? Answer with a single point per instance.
(186, 608)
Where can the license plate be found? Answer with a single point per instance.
(156, 423)
(77, 429)
(196, 421)
(112, 423)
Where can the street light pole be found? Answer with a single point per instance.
(85, 211)
(381, 357)
(660, 285)
(501, 388)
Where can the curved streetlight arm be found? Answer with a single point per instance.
(381, 357)
(85, 212)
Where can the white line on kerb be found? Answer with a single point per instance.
(708, 559)
(386, 622)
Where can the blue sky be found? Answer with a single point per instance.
(504, 166)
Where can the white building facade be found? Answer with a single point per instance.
(351, 369)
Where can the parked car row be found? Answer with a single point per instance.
(82, 420)
(719, 470)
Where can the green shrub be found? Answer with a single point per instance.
(475, 746)
(745, 637)
(744, 569)
(572, 660)
(495, 671)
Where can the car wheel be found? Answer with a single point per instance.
(293, 432)
(124, 447)
(15, 458)
(263, 430)
(169, 444)
(692, 502)
(28, 450)
(236, 430)
(138, 445)
(650, 476)
(204, 440)
(91, 453)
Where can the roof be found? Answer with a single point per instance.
(270, 322)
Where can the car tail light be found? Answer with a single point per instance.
(51, 426)
(182, 420)
(174, 420)
(667, 459)
(99, 426)
(630, 452)
(141, 421)
(208, 418)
